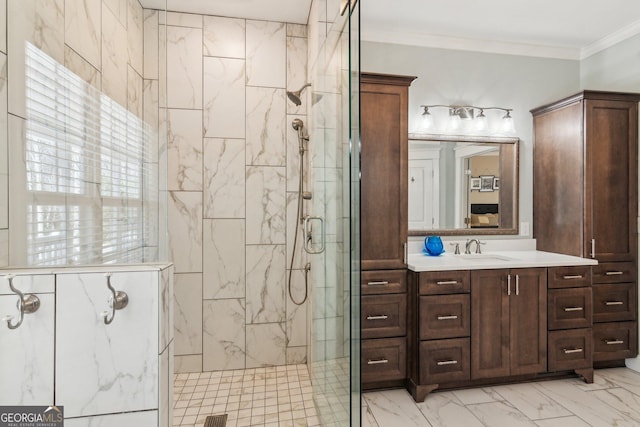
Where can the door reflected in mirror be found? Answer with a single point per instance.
(462, 185)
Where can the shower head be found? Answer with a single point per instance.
(295, 96)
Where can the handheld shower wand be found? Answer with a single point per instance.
(298, 125)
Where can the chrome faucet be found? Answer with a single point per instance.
(467, 247)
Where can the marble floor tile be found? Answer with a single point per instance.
(445, 410)
(531, 401)
(621, 377)
(477, 395)
(395, 408)
(585, 404)
(622, 400)
(499, 414)
(572, 421)
(368, 420)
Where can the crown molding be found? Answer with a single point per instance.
(383, 35)
(610, 40)
(461, 43)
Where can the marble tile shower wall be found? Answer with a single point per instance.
(103, 42)
(233, 176)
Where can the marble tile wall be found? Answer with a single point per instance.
(233, 177)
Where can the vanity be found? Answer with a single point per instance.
(497, 317)
(557, 305)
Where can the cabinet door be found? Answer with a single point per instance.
(383, 198)
(528, 321)
(489, 324)
(612, 176)
(26, 355)
(102, 368)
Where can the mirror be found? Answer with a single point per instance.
(461, 185)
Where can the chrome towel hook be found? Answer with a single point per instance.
(117, 301)
(28, 304)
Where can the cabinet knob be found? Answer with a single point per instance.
(570, 277)
(447, 362)
(613, 342)
(573, 309)
(572, 350)
(614, 303)
(377, 362)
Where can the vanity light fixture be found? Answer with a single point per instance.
(459, 115)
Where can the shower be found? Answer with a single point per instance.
(295, 96)
(298, 125)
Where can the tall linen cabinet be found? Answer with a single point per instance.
(585, 203)
(384, 223)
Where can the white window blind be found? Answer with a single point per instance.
(87, 174)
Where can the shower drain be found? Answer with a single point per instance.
(216, 421)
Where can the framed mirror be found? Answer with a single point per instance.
(462, 185)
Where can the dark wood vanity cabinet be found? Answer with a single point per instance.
(384, 225)
(509, 322)
(478, 327)
(570, 320)
(384, 180)
(585, 203)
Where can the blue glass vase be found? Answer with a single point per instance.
(433, 245)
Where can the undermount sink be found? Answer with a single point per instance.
(483, 258)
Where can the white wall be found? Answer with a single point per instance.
(616, 68)
(461, 77)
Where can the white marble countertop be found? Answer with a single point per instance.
(493, 260)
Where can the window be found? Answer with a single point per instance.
(87, 171)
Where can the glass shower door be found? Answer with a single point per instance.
(335, 329)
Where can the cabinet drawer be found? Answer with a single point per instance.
(613, 272)
(444, 282)
(569, 308)
(614, 302)
(570, 349)
(569, 277)
(383, 359)
(614, 341)
(444, 361)
(444, 316)
(383, 282)
(383, 316)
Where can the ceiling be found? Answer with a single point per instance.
(571, 29)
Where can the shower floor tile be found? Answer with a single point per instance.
(274, 396)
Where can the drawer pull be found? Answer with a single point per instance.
(447, 362)
(572, 350)
(377, 362)
(613, 273)
(569, 277)
(381, 283)
(383, 317)
(573, 309)
(447, 317)
(613, 342)
(614, 303)
(447, 282)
